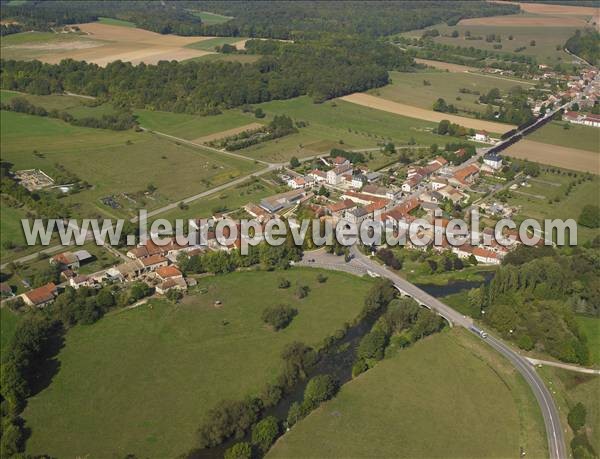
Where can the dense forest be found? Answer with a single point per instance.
(586, 46)
(534, 297)
(294, 19)
(285, 19)
(161, 17)
(322, 69)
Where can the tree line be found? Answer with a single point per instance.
(585, 45)
(120, 121)
(321, 69)
(534, 296)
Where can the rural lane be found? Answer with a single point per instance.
(554, 431)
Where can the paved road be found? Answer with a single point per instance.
(554, 431)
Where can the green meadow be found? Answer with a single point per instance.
(161, 366)
(549, 40)
(105, 160)
(576, 136)
(422, 89)
(446, 396)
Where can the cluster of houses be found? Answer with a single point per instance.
(585, 119)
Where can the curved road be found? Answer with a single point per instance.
(554, 431)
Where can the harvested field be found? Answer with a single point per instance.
(121, 34)
(554, 155)
(525, 21)
(228, 133)
(445, 65)
(378, 103)
(538, 8)
(105, 43)
(240, 44)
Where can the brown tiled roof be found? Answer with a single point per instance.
(42, 294)
(168, 271)
(153, 260)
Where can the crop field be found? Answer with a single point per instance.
(105, 160)
(179, 361)
(379, 103)
(424, 88)
(555, 155)
(101, 43)
(576, 136)
(550, 35)
(539, 201)
(228, 133)
(445, 65)
(426, 401)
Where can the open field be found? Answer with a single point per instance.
(117, 22)
(423, 114)
(179, 361)
(444, 65)
(553, 186)
(549, 39)
(554, 155)
(579, 137)
(101, 43)
(570, 388)
(409, 89)
(591, 329)
(228, 133)
(524, 21)
(560, 10)
(105, 159)
(211, 43)
(426, 401)
(334, 121)
(211, 18)
(191, 126)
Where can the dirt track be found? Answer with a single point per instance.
(554, 155)
(423, 114)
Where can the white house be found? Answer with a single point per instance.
(482, 136)
(493, 160)
(296, 182)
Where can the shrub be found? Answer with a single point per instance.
(295, 413)
(284, 283)
(319, 389)
(265, 432)
(241, 450)
(590, 216)
(302, 291)
(359, 367)
(576, 417)
(278, 317)
(372, 345)
(525, 342)
(321, 278)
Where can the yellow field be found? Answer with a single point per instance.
(104, 43)
(554, 155)
(420, 113)
(227, 133)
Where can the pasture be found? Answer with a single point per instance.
(211, 43)
(8, 324)
(591, 329)
(576, 136)
(211, 18)
(424, 88)
(422, 402)
(105, 160)
(179, 361)
(549, 34)
(339, 124)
